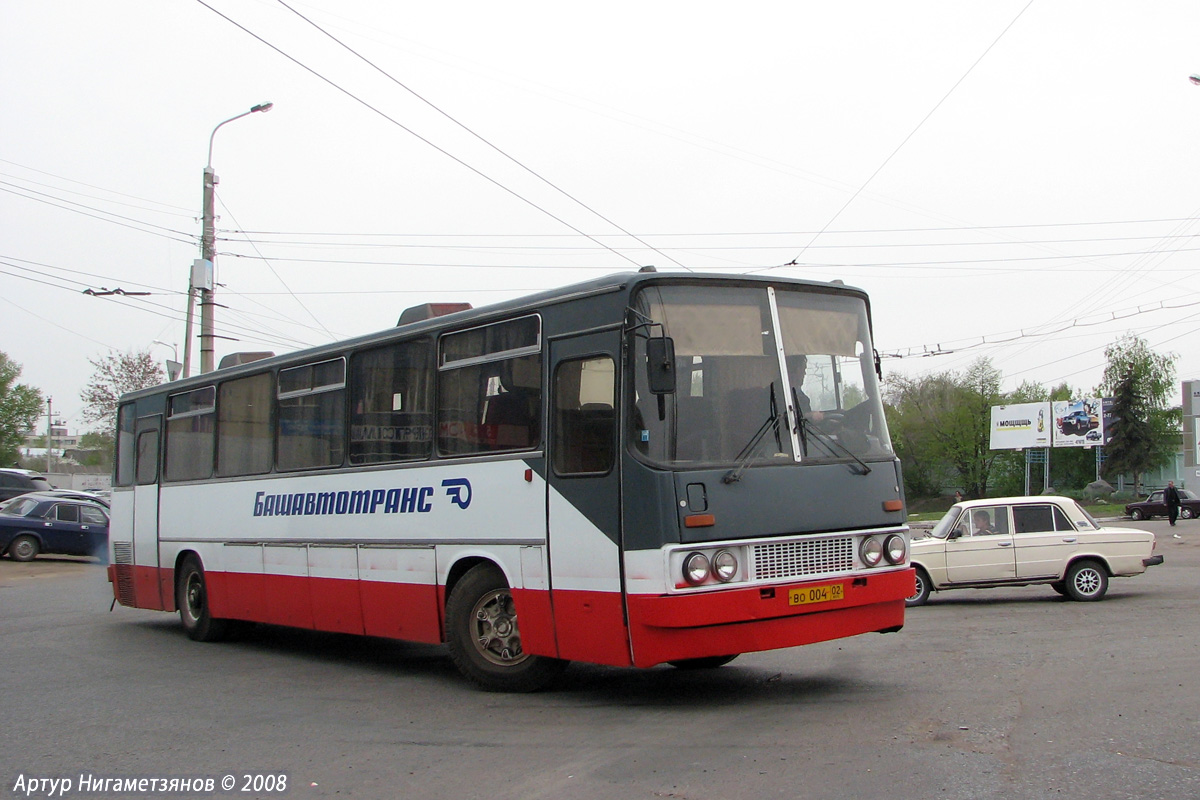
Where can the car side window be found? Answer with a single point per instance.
(1061, 523)
(988, 521)
(93, 516)
(67, 512)
(1033, 519)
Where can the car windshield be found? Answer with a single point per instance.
(20, 506)
(743, 357)
(942, 529)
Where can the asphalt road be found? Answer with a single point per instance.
(1000, 694)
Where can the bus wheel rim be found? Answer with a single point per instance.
(494, 629)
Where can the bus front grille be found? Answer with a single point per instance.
(783, 560)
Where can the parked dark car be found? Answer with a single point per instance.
(1153, 506)
(41, 523)
(15, 482)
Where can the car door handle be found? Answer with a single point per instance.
(1004, 544)
(47, 524)
(1070, 539)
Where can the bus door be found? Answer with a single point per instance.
(583, 499)
(146, 582)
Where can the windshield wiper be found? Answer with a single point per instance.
(743, 457)
(825, 439)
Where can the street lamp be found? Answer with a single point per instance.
(173, 366)
(202, 271)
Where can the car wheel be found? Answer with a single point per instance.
(1137, 514)
(23, 548)
(484, 638)
(1186, 513)
(1086, 581)
(191, 597)
(711, 662)
(921, 594)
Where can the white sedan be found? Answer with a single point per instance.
(1018, 541)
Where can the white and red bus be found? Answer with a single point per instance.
(642, 469)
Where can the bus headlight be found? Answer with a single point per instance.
(871, 551)
(695, 568)
(724, 566)
(895, 549)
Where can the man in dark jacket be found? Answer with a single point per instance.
(1171, 498)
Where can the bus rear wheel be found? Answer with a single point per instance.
(485, 640)
(191, 598)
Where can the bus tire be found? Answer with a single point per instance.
(191, 597)
(484, 640)
(23, 548)
(709, 662)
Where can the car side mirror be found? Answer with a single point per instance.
(957, 533)
(660, 365)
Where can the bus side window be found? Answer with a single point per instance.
(584, 420)
(391, 391)
(147, 457)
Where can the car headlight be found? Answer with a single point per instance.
(695, 568)
(871, 551)
(724, 566)
(895, 549)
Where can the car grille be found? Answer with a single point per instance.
(783, 560)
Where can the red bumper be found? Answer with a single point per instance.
(674, 627)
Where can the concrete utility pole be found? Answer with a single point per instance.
(49, 433)
(202, 270)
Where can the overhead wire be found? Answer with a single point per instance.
(912, 133)
(279, 278)
(473, 133)
(93, 186)
(99, 211)
(410, 131)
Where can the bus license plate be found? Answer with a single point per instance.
(816, 594)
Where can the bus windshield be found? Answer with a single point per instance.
(743, 356)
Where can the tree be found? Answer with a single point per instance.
(943, 421)
(116, 374)
(1146, 431)
(20, 406)
(96, 449)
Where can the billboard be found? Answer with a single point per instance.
(1078, 423)
(1020, 426)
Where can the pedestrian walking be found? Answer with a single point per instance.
(1171, 498)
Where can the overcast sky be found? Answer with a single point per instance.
(1018, 180)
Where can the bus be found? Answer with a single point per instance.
(641, 469)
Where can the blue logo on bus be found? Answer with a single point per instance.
(459, 491)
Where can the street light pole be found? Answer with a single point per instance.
(203, 269)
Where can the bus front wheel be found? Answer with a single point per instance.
(485, 640)
(191, 597)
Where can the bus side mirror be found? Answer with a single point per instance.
(660, 365)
